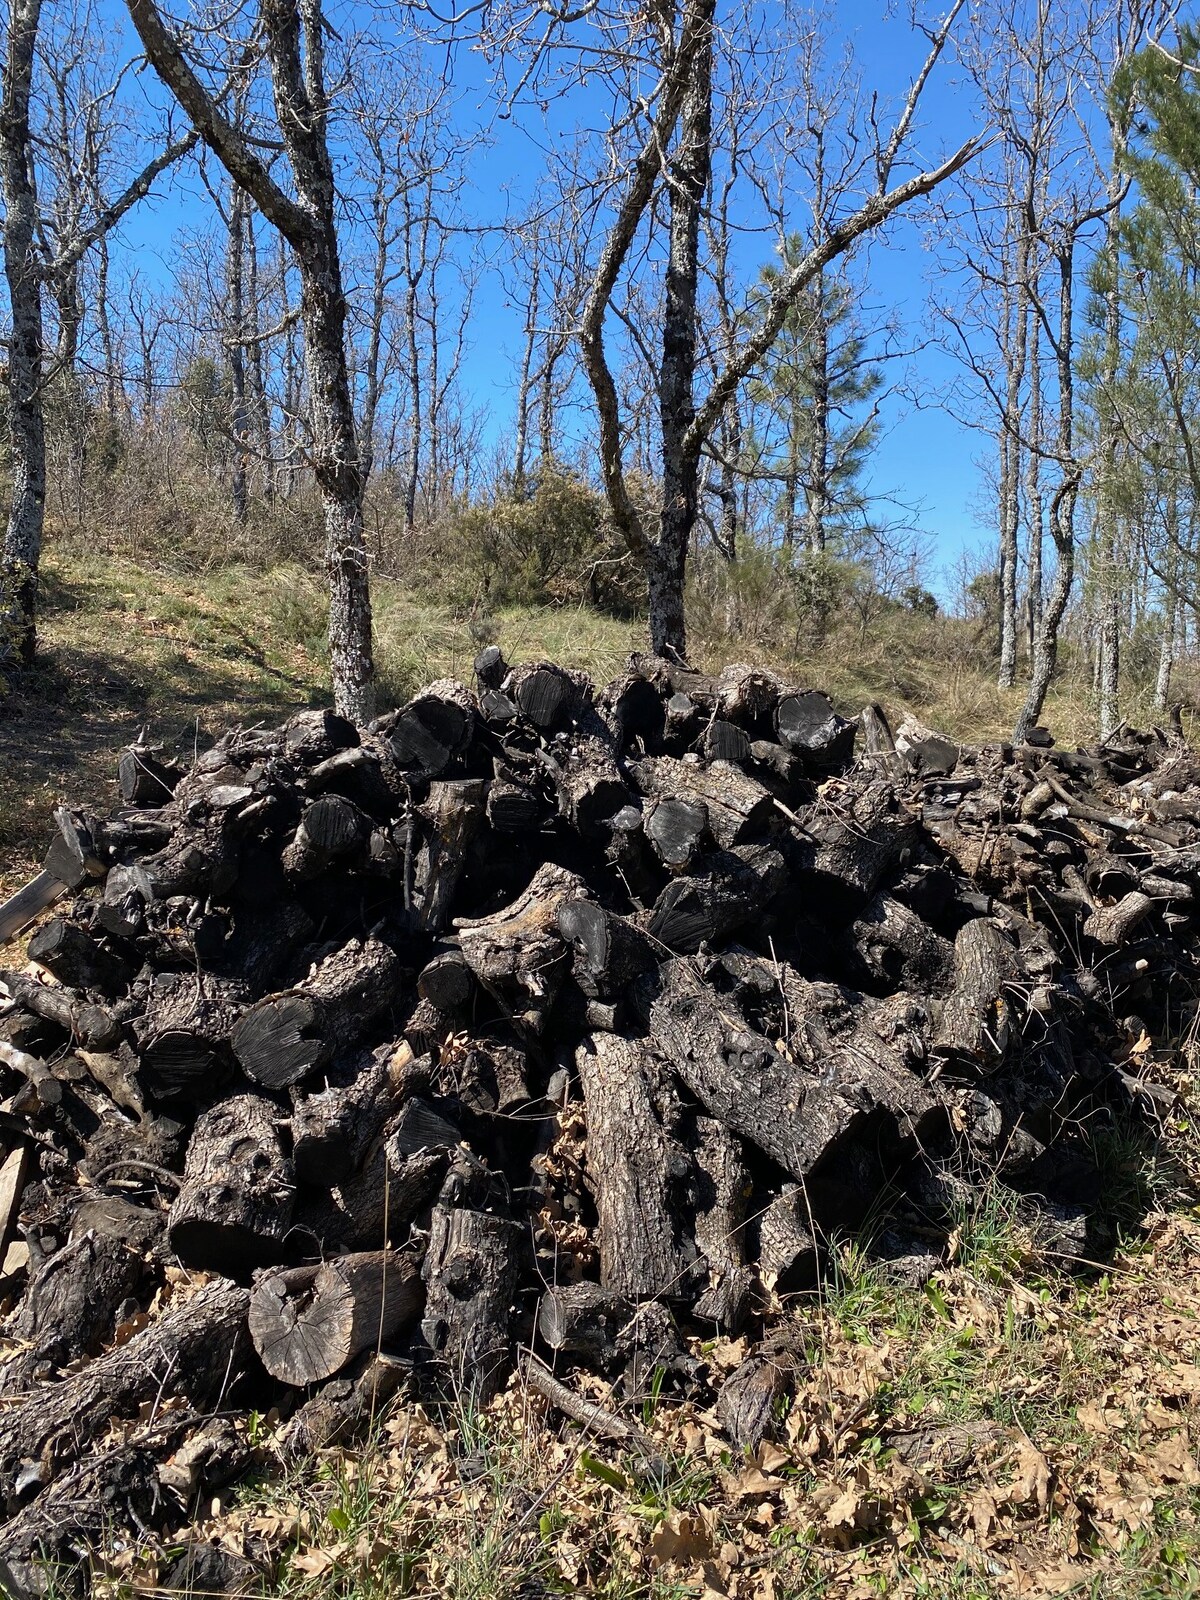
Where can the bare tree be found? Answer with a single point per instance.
(293, 36)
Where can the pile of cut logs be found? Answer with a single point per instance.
(547, 1026)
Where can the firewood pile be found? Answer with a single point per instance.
(544, 1026)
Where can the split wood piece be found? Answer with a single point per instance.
(447, 982)
(787, 1249)
(75, 959)
(739, 808)
(90, 1025)
(309, 1322)
(583, 1320)
(496, 709)
(611, 952)
(342, 1411)
(544, 694)
(68, 1308)
(490, 667)
(736, 1074)
(183, 1035)
(472, 1267)
(44, 1089)
(634, 1168)
(727, 890)
(333, 1127)
(78, 853)
(851, 842)
(631, 857)
(899, 950)
(24, 907)
(13, 1172)
(598, 1421)
(676, 830)
(925, 752)
(1112, 925)
(331, 829)
(122, 909)
(284, 1037)
(977, 1024)
(879, 746)
(452, 816)
(753, 1399)
(434, 729)
(234, 1207)
(517, 953)
(722, 1184)
(193, 1349)
(145, 780)
(725, 741)
(313, 736)
(808, 725)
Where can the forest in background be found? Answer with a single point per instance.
(704, 362)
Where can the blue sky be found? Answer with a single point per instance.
(925, 457)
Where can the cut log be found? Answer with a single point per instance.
(899, 950)
(676, 830)
(434, 729)
(192, 1349)
(851, 842)
(1112, 925)
(589, 780)
(75, 959)
(545, 694)
(471, 1271)
(808, 725)
(314, 736)
(514, 807)
(722, 1185)
(90, 1025)
(747, 695)
(634, 1167)
(78, 854)
(518, 954)
(611, 952)
(183, 1034)
(736, 1074)
(788, 1252)
(738, 807)
(447, 983)
(68, 1309)
(333, 1127)
(583, 1319)
(977, 1021)
(490, 667)
(307, 1323)
(264, 941)
(451, 817)
(342, 1411)
(356, 775)
(13, 1172)
(24, 907)
(144, 779)
(234, 1206)
(753, 1399)
(331, 829)
(727, 890)
(284, 1037)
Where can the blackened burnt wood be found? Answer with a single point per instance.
(728, 889)
(68, 1309)
(343, 1409)
(78, 853)
(747, 695)
(332, 1127)
(145, 780)
(314, 736)
(284, 1037)
(808, 725)
(589, 781)
(631, 857)
(977, 1024)
(472, 1268)
(738, 807)
(75, 958)
(200, 859)
(22, 908)
(900, 951)
(309, 1322)
(851, 841)
(544, 694)
(518, 954)
(722, 1186)
(447, 982)
(490, 667)
(331, 829)
(357, 775)
(434, 729)
(925, 752)
(515, 807)
(610, 951)
(682, 721)
(90, 1025)
(183, 1034)
(264, 940)
(234, 1207)
(788, 1251)
(879, 745)
(194, 1349)
(451, 817)
(583, 1319)
(676, 830)
(725, 741)
(742, 1080)
(634, 1168)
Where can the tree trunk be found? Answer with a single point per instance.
(818, 496)
(27, 439)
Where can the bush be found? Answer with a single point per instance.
(552, 543)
